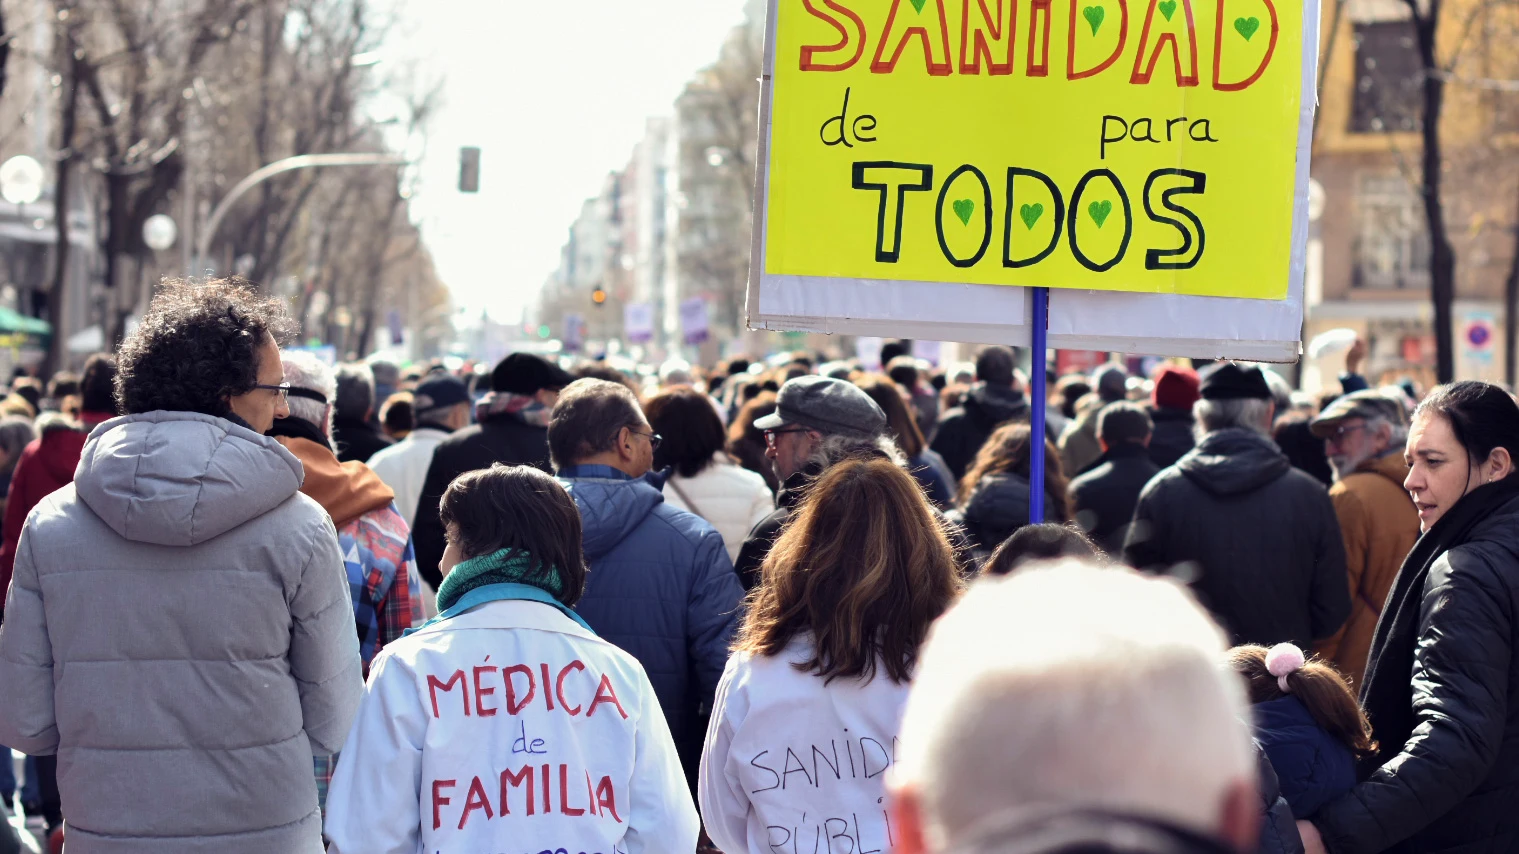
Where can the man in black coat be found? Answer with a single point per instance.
(993, 401)
(1259, 539)
(353, 430)
(1104, 497)
(512, 429)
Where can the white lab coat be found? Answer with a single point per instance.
(403, 466)
(730, 497)
(793, 764)
(463, 745)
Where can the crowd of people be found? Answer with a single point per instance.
(259, 603)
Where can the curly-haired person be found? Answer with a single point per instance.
(179, 630)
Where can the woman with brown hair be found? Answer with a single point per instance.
(747, 444)
(995, 493)
(703, 479)
(927, 467)
(805, 719)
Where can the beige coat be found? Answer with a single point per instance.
(1380, 524)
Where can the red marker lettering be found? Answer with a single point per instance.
(433, 685)
(513, 705)
(605, 694)
(438, 801)
(475, 801)
(481, 691)
(559, 686)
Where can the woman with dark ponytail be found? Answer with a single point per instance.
(1442, 682)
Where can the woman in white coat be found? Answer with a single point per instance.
(804, 725)
(504, 723)
(705, 480)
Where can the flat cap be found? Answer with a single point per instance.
(827, 405)
(1362, 404)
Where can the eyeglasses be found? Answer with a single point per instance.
(283, 389)
(771, 434)
(654, 438)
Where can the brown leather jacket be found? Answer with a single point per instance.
(1380, 524)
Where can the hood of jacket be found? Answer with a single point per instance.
(990, 405)
(1234, 461)
(345, 490)
(182, 478)
(1312, 766)
(611, 503)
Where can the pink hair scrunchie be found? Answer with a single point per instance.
(1282, 660)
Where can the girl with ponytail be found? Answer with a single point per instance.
(1308, 722)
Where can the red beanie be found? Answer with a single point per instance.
(1175, 388)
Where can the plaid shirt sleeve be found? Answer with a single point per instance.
(402, 606)
(385, 541)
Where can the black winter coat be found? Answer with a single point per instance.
(1262, 538)
(756, 547)
(963, 430)
(1103, 499)
(1172, 437)
(999, 505)
(502, 439)
(357, 441)
(1448, 775)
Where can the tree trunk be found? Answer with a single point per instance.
(1511, 312)
(118, 224)
(67, 125)
(1442, 256)
(5, 50)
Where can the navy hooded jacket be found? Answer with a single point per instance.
(1313, 766)
(660, 587)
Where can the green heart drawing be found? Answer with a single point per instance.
(1247, 26)
(963, 209)
(1099, 211)
(1031, 214)
(1094, 16)
(1168, 8)
(918, 4)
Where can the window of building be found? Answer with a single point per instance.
(1388, 77)
(1392, 239)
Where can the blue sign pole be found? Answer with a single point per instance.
(1039, 395)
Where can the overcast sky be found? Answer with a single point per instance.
(555, 93)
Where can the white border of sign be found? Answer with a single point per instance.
(1158, 324)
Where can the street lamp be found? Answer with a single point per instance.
(21, 180)
(159, 232)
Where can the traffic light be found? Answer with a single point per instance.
(469, 170)
(599, 296)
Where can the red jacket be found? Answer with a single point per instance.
(46, 465)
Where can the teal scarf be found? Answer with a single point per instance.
(507, 566)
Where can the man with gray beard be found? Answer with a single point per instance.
(1363, 437)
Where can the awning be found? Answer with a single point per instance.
(13, 321)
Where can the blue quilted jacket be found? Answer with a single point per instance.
(1313, 766)
(660, 587)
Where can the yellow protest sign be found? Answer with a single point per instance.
(1122, 145)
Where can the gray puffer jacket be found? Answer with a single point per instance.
(179, 632)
